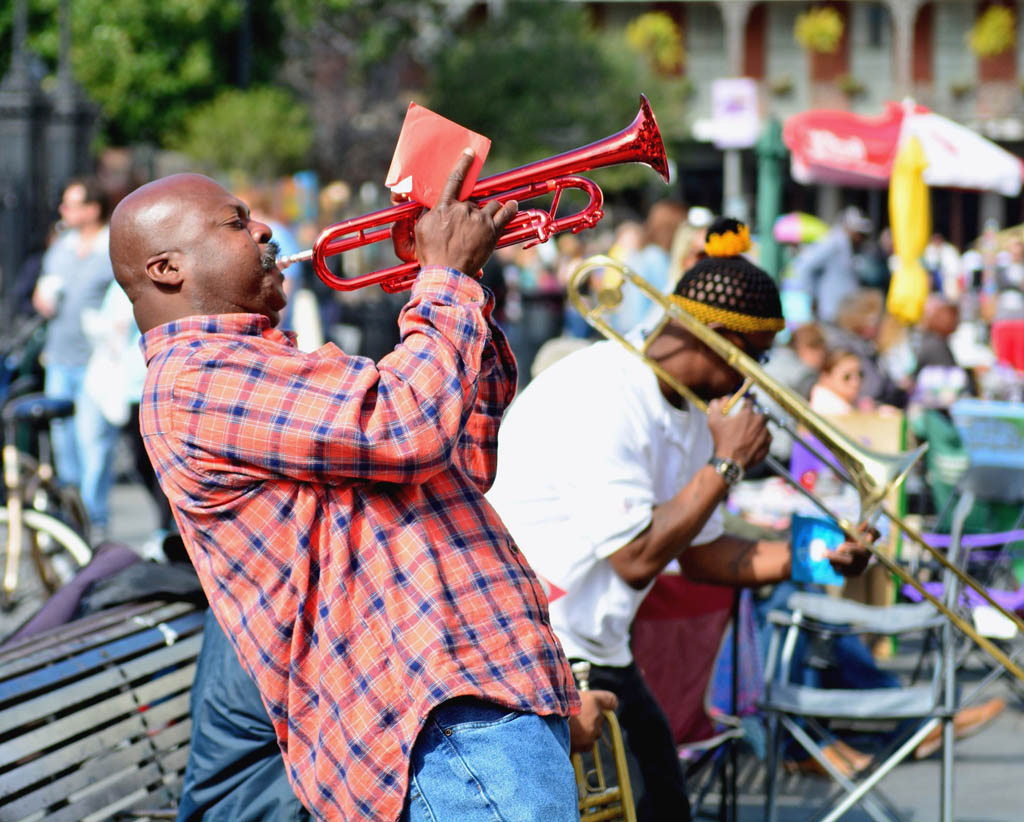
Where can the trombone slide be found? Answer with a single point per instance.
(872, 474)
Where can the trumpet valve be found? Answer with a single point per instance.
(581, 671)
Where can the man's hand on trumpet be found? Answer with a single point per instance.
(457, 233)
(586, 727)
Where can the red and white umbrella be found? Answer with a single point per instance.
(843, 148)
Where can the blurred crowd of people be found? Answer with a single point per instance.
(841, 349)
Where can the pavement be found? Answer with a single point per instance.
(988, 779)
(989, 770)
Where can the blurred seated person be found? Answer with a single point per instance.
(940, 320)
(843, 661)
(837, 388)
(796, 366)
(857, 327)
(837, 392)
(798, 363)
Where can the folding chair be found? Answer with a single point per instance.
(676, 638)
(992, 436)
(1004, 485)
(801, 710)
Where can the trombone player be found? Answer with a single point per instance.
(606, 478)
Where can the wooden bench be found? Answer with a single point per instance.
(94, 716)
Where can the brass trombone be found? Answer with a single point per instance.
(872, 474)
(599, 801)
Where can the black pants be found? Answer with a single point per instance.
(655, 773)
(146, 472)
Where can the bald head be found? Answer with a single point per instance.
(148, 221)
(183, 246)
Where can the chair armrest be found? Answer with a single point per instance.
(888, 619)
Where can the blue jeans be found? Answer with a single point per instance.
(477, 761)
(64, 382)
(97, 441)
(496, 764)
(850, 663)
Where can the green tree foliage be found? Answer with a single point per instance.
(371, 33)
(262, 132)
(542, 79)
(534, 79)
(147, 63)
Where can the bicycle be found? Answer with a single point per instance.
(38, 518)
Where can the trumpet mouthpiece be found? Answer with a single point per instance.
(286, 260)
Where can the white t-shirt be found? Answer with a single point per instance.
(584, 455)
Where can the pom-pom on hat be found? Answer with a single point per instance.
(727, 288)
(727, 237)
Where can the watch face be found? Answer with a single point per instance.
(730, 470)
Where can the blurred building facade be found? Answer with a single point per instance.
(888, 51)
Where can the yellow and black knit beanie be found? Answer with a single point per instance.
(726, 288)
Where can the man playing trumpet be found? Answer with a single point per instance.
(333, 508)
(606, 478)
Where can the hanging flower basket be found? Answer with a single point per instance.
(657, 35)
(850, 85)
(994, 32)
(819, 30)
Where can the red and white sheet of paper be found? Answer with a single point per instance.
(428, 147)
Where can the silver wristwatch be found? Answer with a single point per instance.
(730, 470)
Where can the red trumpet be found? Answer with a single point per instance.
(639, 142)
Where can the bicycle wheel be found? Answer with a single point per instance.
(28, 468)
(61, 502)
(54, 549)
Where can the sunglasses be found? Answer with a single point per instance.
(758, 355)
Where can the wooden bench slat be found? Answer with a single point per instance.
(21, 650)
(31, 771)
(111, 762)
(87, 689)
(89, 632)
(97, 658)
(174, 762)
(66, 728)
(171, 737)
(108, 795)
(170, 711)
(177, 682)
(93, 727)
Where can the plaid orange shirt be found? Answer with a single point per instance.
(334, 510)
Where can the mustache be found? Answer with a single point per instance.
(269, 256)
